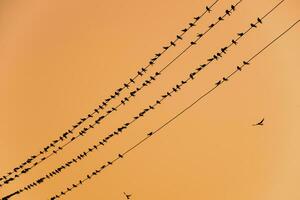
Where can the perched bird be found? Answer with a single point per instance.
(261, 123)
(240, 34)
(253, 25)
(184, 30)
(212, 25)
(218, 83)
(151, 133)
(166, 48)
(208, 9)
(220, 18)
(172, 43)
(120, 156)
(225, 79)
(233, 7)
(191, 24)
(239, 68)
(224, 50)
(128, 196)
(228, 12)
(158, 54)
(179, 37)
(199, 35)
(193, 43)
(259, 20)
(234, 42)
(246, 63)
(197, 18)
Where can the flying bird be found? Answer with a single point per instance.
(128, 196)
(261, 123)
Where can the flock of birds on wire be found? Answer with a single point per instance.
(54, 147)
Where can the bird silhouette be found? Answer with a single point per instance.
(166, 47)
(233, 7)
(218, 83)
(212, 25)
(259, 20)
(246, 63)
(220, 18)
(184, 30)
(208, 9)
(224, 50)
(120, 156)
(197, 18)
(228, 12)
(225, 79)
(179, 37)
(193, 43)
(239, 68)
(199, 35)
(261, 123)
(191, 24)
(240, 34)
(234, 42)
(253, 25)
(128, 196)
(172, 43)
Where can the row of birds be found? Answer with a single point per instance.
(107, 100)
(82, 132)
(120, 129)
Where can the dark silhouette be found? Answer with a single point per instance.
(259, 20)
(261, 123)
(208, 9)
(128, 196)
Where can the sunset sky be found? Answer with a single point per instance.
(59, 59)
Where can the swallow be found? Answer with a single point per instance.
(261, 123)
(259, 20)
(220, 18)
(128, 196)
(228, 12)
(197, 18)
(193, 43)
(184, 30)
(218, 83)
(120, 156)
(199, 35)
(210, 59)
(253, 25)
(219, 54)
(246, 63)
(151, 133)
(208, 9)
(191, 24)
(215, 57)
(140, 73)
(158, 54)
(225, 79)
(166, 47)
(151, 62)
(110, 163)
(132, 81)
(178, 37)
(233, 7)
(234, 42)
(239, 68)
(126, 85)
(183, 82)
(172, 43)
(240, 34)
(212, 25)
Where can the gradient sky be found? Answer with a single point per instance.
(59, 59)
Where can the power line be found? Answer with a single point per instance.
(120, 156)
(119, 130)
(106, 101)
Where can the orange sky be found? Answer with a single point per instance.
(60, 59)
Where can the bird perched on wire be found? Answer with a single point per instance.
(208, 9)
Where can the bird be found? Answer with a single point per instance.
(259, 20)
(239, 68)
(191, 24)
(227, 12)
(166, 48)
(212, 25)
(151, 133)
(218, 83)
(158, 54)
(261, 123)
(128, 196)
(193, 43)
(120, 156)
(246, 63)
(234, 42)
(197, 18)
(253, 25)
(208, 9)
(240, 34)
(233, 7)
(225, 79)
(184, 30)
(224, 50)
(220, 18)
(179, 37)
(199, 35)
(172, 43)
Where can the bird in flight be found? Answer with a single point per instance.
(261, 123)
(128, 196)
